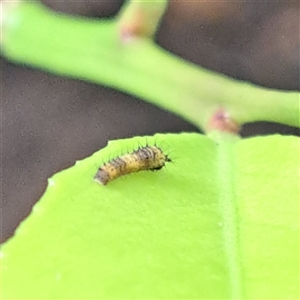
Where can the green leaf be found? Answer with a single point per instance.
(220, 222)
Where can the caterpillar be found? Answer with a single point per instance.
(145, 158)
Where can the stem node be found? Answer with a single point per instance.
(222, 121)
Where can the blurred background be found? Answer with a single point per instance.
(48, 122)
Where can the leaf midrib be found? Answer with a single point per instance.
(228, 211)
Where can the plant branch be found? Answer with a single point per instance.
(93, 50)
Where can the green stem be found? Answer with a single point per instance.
(93, 50)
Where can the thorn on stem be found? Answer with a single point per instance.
(133, 27)
(141, 19)
(222, 121)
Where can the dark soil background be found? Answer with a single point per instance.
(48, 122)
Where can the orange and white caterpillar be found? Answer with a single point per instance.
(145, 158)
